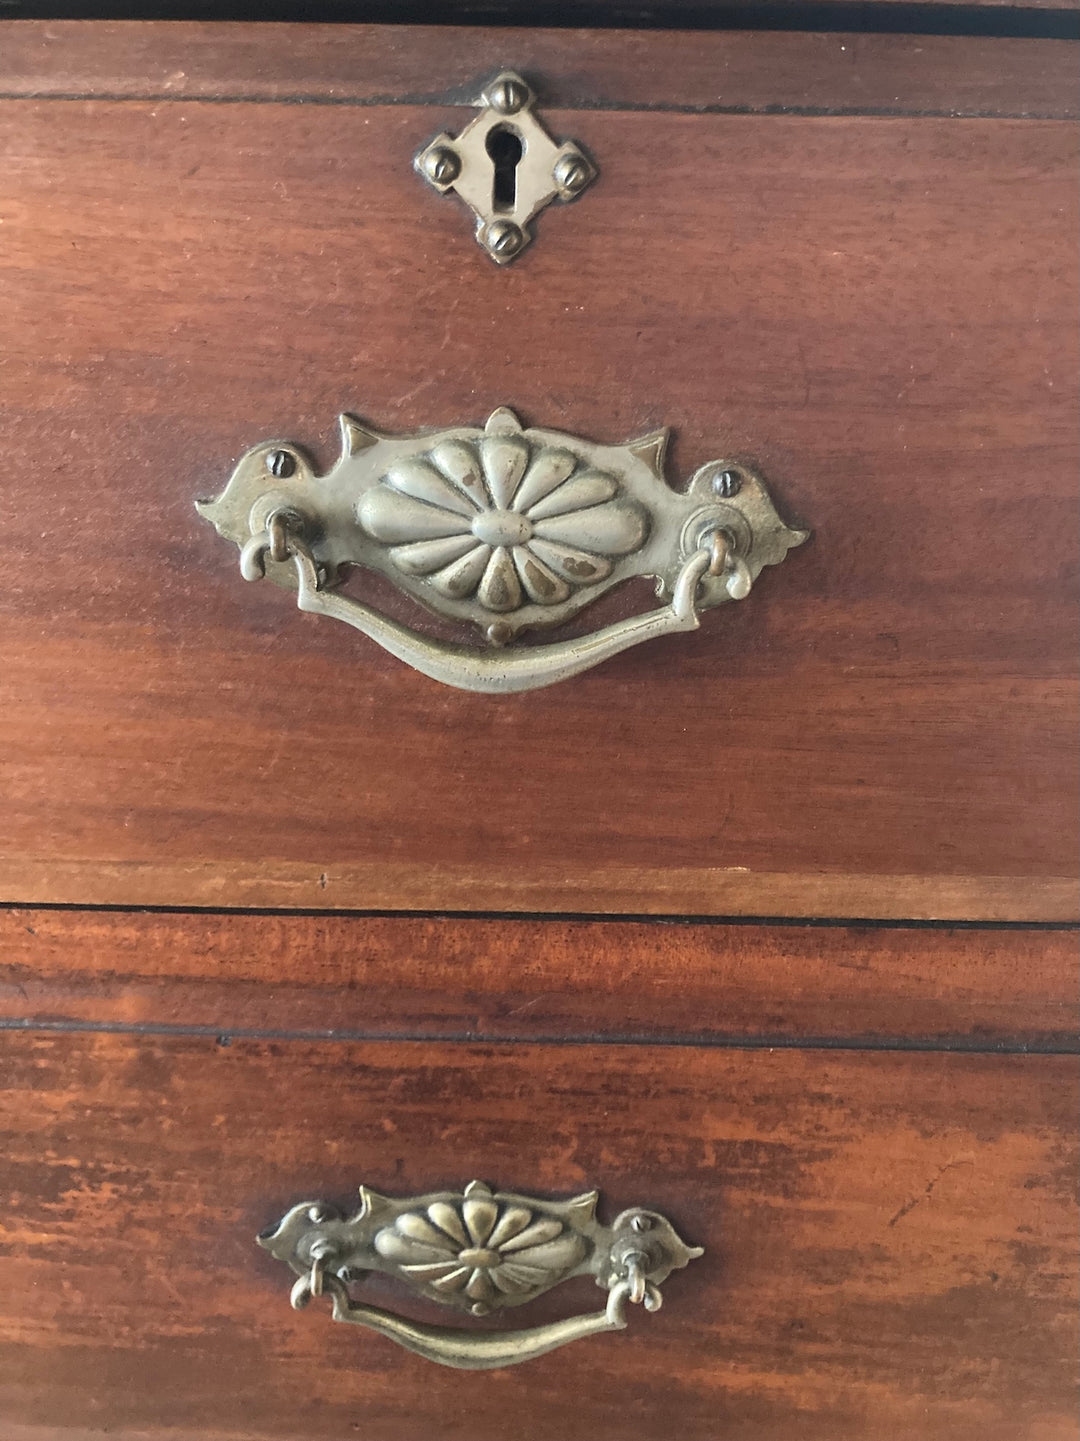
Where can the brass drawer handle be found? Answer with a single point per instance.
(477, 1252)
(505, 528)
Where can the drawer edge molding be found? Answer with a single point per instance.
(227, 883)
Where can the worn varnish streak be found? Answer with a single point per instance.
(890, 1239)
(410, 64)
(528, 979)
(880, 311)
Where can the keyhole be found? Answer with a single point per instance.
(505, 148)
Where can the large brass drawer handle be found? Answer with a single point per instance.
(477, 1252)
(508, 529)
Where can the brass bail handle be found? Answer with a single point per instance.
(477, 1251)
(505, 529)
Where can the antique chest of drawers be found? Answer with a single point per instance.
(765, 926)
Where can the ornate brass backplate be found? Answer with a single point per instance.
(477, 1251)
(508, 529)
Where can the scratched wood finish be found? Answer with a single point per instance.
(632, 69)
(885, 728)
(890, 1239)
(453, 976)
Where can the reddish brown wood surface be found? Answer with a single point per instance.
(734, 70)
(880, 311)
(448, 977)
(889, 1239)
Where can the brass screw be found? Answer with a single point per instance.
(281, 464)
(441, 165)
(508, 95)
(572, 174)
(504, 238)
(727, 484)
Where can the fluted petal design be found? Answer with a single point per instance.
(512, 1280)
(541, 584)
(500, 589)
(592, 487)
(455, 1281)
(503, 520)
(407, 1251)
(448, 1220)
(419, 1228)
(520, 1276)
(543, 1230)
(423, 557)
(480, 1287)
(392, 517)
(423, 482)
(505, 458)
(480, 1248)
(461, 464)
(548, 470)
(612, 529)
(462, 578)
(553, 1256)
(512, 1222)
(433, 1271)
(576, 566)
(480, 1213)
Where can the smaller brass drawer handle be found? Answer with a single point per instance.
(506, 529)
(477, 1252)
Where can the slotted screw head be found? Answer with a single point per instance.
(441, 165)
(504, 238)
(507, 95)
(727, 484)
(572, 173)
(281, 464)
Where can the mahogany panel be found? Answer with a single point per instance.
(636, 69)
(890, 1239)
(507, 979)
(881, 311)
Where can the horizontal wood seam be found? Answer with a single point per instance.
(894, 17)
(875, 923)
(935, 1045)
(455, 99)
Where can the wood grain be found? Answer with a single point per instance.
(889, 1239)
(880, 311)
(528, 980)
(733, 70)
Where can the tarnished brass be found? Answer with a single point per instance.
(506, 167)
(508, 529)
(477, 1251)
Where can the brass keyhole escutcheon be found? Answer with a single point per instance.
(506, 167)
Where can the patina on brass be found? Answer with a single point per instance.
(506, 528)
(477, 1251)
(506, 167)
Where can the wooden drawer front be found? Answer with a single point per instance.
(878, 309)
(453, 978)
(889, 1237)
